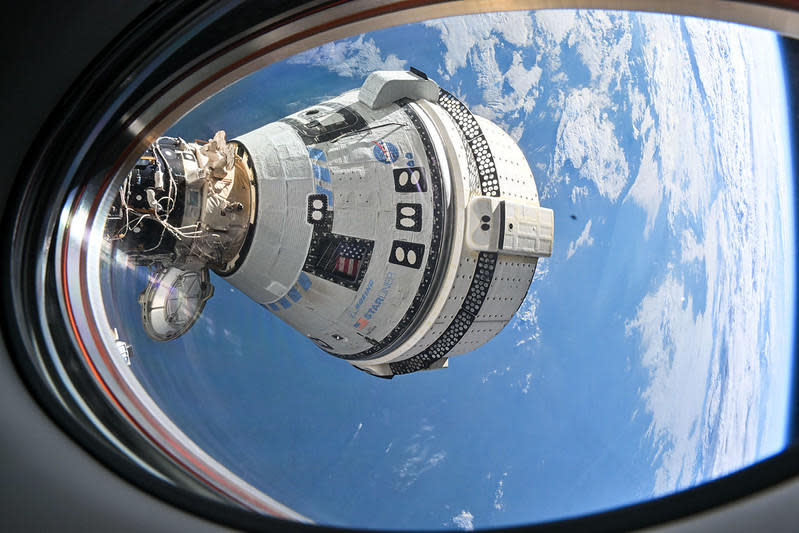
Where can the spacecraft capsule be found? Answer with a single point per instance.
(389, 225)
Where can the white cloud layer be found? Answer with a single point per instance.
(525, 321)
(349, 58)
(507, 95)
(706, 366)
(585, 239)
(682, 174)
(499, 493)
(603, 42)
(420, 457)
(586, 139)
(461, 34)
(578, 193)
(555, 24)
(464, 520)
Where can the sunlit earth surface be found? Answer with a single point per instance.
(653, 350)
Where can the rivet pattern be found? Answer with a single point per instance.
(433, 251)
(475, 296)
(478, 145)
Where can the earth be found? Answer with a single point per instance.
(653, 350)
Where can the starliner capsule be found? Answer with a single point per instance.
(389, 225)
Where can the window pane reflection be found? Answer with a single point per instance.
(653, 350)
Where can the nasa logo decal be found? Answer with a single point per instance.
(385, 152)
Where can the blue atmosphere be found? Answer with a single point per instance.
(653, 350)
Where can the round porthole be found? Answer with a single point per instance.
(566, 239)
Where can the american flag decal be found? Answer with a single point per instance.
(347, 266)
(348, 258)
(338, 258)
(361, 323)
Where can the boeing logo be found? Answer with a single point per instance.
(377, 304)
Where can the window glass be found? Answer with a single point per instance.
(652, 351)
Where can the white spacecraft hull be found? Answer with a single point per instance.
(369, 237)
(389, 225)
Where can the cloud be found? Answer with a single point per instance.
(464, 521)
(586, 139)
(499, 493)
(495, 372)
(418, 464)
(603, 41)
(708, 346)
(461, 34)
(647, 189)
(527, 378)
(676, 352)
(357, 433)
(349, 58)
(525, 321)
(691, 250)
(584, 239)
(556, 24)
(578, 193)
(420, 458)
(521, 79)
(506, 95)
(498, 103)
(677, 117)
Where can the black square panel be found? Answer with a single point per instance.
(410, 179)
(317, 208)
(407, 254)
(409, 217)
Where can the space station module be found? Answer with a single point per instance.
(389, 225)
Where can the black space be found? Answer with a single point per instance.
(790, 50)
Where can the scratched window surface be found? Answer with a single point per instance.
(650, 350)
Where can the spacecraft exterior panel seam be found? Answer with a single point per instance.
(462, 129)
(273, 262)
(520, 269)
(452, 155)
(389, 225)
(454, 300)
(468, 258)
(433, 251)
(484, 268)
(325, 154)
(460, 324)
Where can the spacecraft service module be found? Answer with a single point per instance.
(389, 225)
